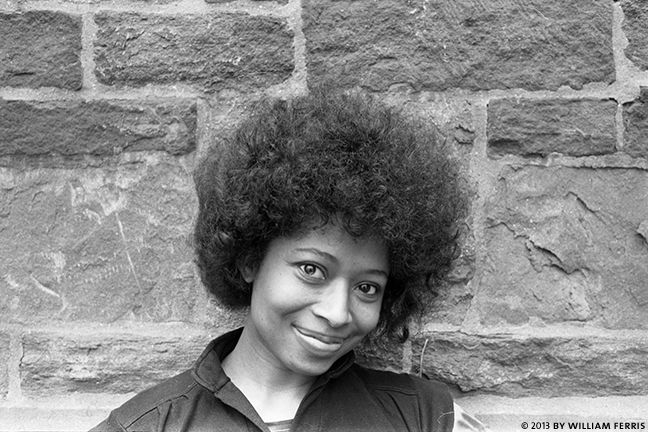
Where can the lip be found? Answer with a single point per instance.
(318, 342)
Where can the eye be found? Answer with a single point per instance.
(368, 289)
(312, 271)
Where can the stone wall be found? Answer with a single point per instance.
(106, 105)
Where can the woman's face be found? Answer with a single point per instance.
(314, 297)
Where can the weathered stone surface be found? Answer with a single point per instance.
(101, 244)
(442, 44)
(530, 365)
(453, 119)
(634, 27)
(384, 356)
(213, 52)
(4, 364)
(231, 1)
(635, 121)
(40, 49)
(104, 363)
(563, 245)
(540, 127)
(20, 418)
(96, 127)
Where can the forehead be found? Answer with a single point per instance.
(335, 242)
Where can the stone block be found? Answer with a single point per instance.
(539, 127)
(99, 244)
(212, 52)
(634, 26)
(635, 121)
(442, 44)
(380, 355)
(29, 419)
(283, 2)
(5, 354)
(54, 365)
(72, 128)
(515, 365)
(566, 244)
(40, 49)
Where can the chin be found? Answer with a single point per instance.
(312, 367)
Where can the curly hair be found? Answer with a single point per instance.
(330, 155)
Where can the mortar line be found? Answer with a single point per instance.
(88, 36)
(407, 352)
(482, 177)
(297, 83)
(14, 393)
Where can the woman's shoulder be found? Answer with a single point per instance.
(403, 382)
(433, 398)
(143, 407)
(418, 400)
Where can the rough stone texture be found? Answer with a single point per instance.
(96, 127)
(213, 52)
(231, 1)
(565, 244)
(456, 126)
(541, 127)
(40, 49)
(530, 365)
(18, 418)
(119, 364)
(635, 121)
(634, 27)
(103, 2)
(442, 44)
(5, 353)
(453, 118)
(385, 356)
(100, 245)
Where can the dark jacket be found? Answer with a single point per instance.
(347, 398)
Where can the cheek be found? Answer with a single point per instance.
(277, 293)
(367, 316)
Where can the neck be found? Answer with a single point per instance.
(274, 391)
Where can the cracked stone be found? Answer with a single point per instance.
(438, 45)
(40, 49)
(563, 246)
(102, 244)
(540, 127)
(516, 366)
(105, 128)
(634, 27)
(103, 363)
(635, 121)
(643, 230)
(212, 51)
(5, 353)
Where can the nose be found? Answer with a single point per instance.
(333, 304)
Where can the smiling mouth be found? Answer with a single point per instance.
(319, 341)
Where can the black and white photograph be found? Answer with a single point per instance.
(323, 215)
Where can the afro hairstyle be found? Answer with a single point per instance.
(326, 157)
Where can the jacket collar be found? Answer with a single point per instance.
(209, 373)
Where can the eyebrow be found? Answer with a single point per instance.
(330, 257)
(318, 252)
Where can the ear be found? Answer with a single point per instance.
(247, 270)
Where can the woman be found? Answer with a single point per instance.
(331, 217)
